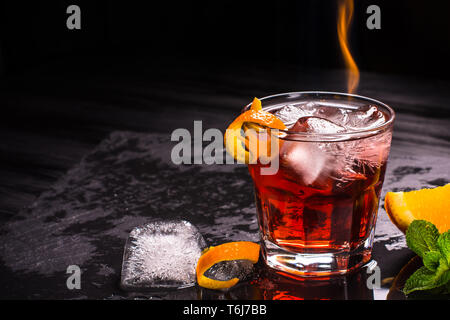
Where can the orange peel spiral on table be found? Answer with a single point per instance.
(240, 250)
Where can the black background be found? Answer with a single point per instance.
(414, 38)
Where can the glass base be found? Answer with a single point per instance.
(317, 264)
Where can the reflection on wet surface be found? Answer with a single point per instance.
(266, 284)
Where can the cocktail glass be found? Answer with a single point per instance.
(317, 211)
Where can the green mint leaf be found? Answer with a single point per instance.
(431, 260)
(426, 279)
(443, 243)
(442, 269)
(422, 279)
(442, 273)
(421, 237)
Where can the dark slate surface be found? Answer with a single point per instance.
(111, 127)
(129, 179)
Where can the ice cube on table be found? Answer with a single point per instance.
(161, 254)
(311, 163)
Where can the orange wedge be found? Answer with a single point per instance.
(237, 144)
(432, 205)
(241, 250)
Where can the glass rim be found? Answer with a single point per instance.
(342, 136)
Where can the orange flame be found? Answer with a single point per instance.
(345, 15)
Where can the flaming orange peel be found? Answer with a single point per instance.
(240, 250)
(432, 205)
(236, 142)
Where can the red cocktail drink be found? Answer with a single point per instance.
(317, 211)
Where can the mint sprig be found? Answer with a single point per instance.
(424, 239)
(421, 237)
